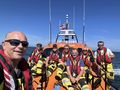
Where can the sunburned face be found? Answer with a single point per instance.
(66, 49)
(15, 45)
(74, 53)
(54, 50)
(39, 48)
(85, 52)
(100, 45)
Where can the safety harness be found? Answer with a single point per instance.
(102, 57)
(86, 59)
(35, 55)
(65, 56)
(54, 57)
(75, 67)
(10, 75)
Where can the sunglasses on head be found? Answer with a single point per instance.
(16, 42)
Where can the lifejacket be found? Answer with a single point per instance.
(35, 55)
(75, 67)
(64, 57)
(11, 81)
(86, 59)
(54, 57)
(104, 57)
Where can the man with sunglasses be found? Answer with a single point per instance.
(103, 57)
(14, 70)
(62, 66)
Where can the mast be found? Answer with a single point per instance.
(73, 17)
(67, 27)
(50, 29)
(67, 23)
(83, 22)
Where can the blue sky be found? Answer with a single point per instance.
(32, 18)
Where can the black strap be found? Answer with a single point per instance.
(1, 74)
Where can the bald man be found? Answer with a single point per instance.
(14, 70)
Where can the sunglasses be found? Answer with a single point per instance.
(66, 48)
(16, 42)
(84, 50)
(100, 45)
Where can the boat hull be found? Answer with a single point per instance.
(52, 81)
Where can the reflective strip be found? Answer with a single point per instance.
(85, 87)
(11, 81)
(40, 62)
(65, 80)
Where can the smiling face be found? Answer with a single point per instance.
(85, 50)
(100, 45)
(15, 45)
(66, 48)
(74, 53)
(39, 47)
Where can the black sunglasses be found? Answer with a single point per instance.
(66, 48)
(16, 42)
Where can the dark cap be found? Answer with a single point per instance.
(39, 45)
(54, 45)
(66, 46)
(100, 43)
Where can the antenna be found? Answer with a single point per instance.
(73, 17)
(83, 21)
(66, 18)
(50, 31)
(67, 24)
(59, 24)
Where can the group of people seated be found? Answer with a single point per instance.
(73, 66)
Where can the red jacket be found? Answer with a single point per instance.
(75, 65)
(54, 56)
(103, 57)
(11, 78)
(64, 58)
(35, 55)
(86, 59)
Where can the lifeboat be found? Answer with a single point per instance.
(66, 36)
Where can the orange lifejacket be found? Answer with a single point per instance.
(75, 67)
(54, 56)
(104, 57)
(65, 56)
(86, 60)
(35, 55)
(10, 78)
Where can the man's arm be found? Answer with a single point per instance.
(80, 74)
(47, 60)
(69, 73)
(81, 65)
(110, 53)
(68, 63)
